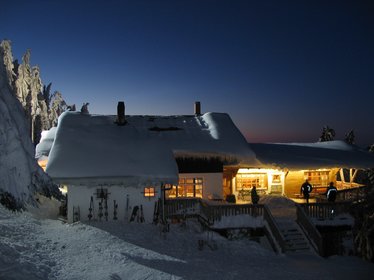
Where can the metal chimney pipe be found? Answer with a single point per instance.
(121, 113)
(197, 108)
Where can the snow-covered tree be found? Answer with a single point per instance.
(5, 45)
(350, 137)
(371, 148)
(41, 108)
(57, 107)
(364, 234)
(328, 134)
(84, 108)
(20, 175)
(47, 94)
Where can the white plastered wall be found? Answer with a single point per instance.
(81, 196)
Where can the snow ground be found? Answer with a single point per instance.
(34, 247)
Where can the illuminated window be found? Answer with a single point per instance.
(276, 178)
(187, 187)
(149, 192)
(248, 181)
(317, 178)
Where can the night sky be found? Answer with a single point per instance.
(281, 69)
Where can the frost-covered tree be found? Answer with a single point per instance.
(350, 137)
(371, 148)
(364, 215)
(47, 94)
(23, 82)
(57, 107)
(20, 175)
(84, 109)
(328, 134)
(5, 45)
(40, 107)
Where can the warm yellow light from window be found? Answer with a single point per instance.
(149, 192)
(259, 170)
(43, 163)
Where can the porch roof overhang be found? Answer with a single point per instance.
(312, 156)
(125, 181)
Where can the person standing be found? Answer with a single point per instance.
(331, 192)
(305, 190)
(254, 195)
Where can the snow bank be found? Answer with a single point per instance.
(335, 144)
(33, 248)
(45, 144)
(239, 221)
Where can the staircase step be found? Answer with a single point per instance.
(292, 233)
(298, 249)
(296, 241)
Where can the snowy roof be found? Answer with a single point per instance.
(296, 156)
(93, 146)
(45, 144)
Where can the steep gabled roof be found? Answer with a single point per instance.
(298, 156)
(93, 147)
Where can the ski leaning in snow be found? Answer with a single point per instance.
(76, 214)
(127, 207)
(100, 210)
(155, 213)
(90, 210)
(134, 213)
(115, 206)
(106, 208)
(142, 220)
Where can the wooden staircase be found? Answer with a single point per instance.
(294, 237)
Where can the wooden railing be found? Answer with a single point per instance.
(214, 213)
(274, 229)
(182, 207)
(209, 212)
(325, 210)
(352, 194)
(310, 229)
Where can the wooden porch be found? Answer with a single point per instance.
(309, 217)
(211, 214)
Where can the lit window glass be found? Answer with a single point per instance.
(149, 192)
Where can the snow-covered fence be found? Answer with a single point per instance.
(210, 213)
(352, 194)
(214, 213)
(312, 232)
(325, 210)
(182, 207)
(274, 229)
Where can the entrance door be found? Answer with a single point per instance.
(276, 183)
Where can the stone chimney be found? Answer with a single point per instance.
(197, 108)
(121, 113)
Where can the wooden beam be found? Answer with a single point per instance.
(354, 175)
(342, 175)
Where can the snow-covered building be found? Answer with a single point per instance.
(111, 164)
(285, 166)
(127, 161)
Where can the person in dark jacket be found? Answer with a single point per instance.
(305, 190)
(331, 192)
(254, 195)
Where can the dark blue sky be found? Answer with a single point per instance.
(281, 69)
